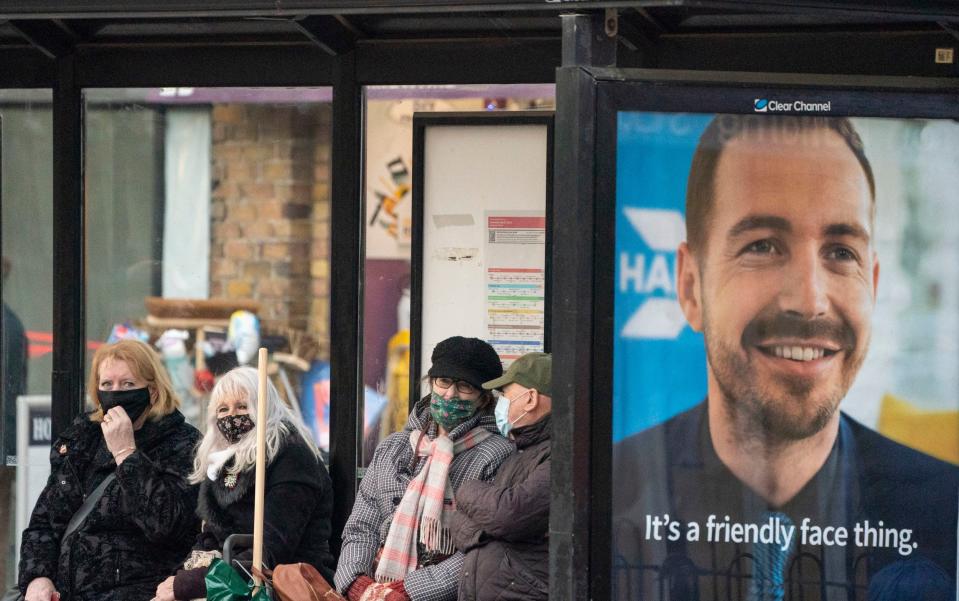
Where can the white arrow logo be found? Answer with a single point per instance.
(657, 318)
(661, 230)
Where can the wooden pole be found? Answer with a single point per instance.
(260, 490)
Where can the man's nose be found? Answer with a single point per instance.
(804, 291)
(449, 392)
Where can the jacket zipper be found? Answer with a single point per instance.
(116, 562)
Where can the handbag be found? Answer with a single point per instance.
(300, 582)
(75, 522)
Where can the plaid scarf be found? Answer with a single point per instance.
(422, 507)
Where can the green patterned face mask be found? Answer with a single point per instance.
(450, 413)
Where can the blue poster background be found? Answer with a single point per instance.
(659, 363)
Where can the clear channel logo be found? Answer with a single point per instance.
(766, 105)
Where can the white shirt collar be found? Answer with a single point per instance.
(217, 460)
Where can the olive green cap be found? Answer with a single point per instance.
(532, 370)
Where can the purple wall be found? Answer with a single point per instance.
(384, 283)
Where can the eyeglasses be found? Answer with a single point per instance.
(462, 386)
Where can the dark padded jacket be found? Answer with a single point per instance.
(502, 525)
(139, 530)
(296, 528)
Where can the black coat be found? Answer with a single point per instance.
(140, 528)
(298, 506)
(502, 525)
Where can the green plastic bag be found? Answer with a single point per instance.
(223, 583)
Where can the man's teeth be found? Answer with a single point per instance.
(799, 353)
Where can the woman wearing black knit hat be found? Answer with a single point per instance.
(396, 544)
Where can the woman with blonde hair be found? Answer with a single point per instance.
(117, 513)
(299, 493)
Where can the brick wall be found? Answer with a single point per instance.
(270, 225)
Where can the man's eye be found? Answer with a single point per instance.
(841, 253)
(760, 247)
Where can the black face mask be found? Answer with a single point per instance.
(134, 402)
(233, 427)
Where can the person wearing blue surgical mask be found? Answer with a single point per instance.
(505, 403)
(509, 516)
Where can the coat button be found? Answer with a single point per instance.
(396, 500)
(63, 482)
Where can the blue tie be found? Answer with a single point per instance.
(769, 561)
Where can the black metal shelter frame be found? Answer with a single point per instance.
(70, 45)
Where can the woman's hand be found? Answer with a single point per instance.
(41, 589)
(393, 591)
(118, 433)
(355, 591)
(165, 590)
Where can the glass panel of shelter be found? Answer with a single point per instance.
(26, 129)
(388, 234)
(208, 235)
(219, 195)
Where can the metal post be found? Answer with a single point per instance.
(68, 247)
(586, 42)
(346, 257)
(572, 574)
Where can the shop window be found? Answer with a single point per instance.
(208, 234)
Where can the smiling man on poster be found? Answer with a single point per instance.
(767, 491)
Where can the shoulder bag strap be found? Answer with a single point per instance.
(87, 506)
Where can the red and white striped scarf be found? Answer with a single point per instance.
(422, 508)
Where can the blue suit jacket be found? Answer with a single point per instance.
(671, 470)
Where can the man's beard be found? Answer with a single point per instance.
(762, 411)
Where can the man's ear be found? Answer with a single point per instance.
(154, 394)
(533, 402)
(688, 287)
(875, 276)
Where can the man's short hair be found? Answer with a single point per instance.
(725, 128)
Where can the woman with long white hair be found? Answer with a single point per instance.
(225, 469)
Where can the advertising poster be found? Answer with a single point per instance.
(388, 177)
(786, 391)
